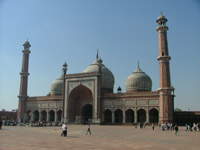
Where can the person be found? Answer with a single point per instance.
(153, 126)
(1, 123)
(144, 125)
(186, 127)
(176, 129)
(64, 128)
(163, 126)
(88, 130)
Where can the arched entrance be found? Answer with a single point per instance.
(118, 116)
(36, 115)
(51, 116)
(153, 116)
(43, 115)
(87, 113)
(107, 116)
(141, 116)
(59, 115)
(129, 116)
(78, 98)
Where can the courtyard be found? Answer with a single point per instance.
(103, 138)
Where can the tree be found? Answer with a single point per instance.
(177, 110)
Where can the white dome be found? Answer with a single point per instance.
(57, 87)
(107, 78)
(138, 81)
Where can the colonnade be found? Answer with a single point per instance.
(43, 116)
(130, 116)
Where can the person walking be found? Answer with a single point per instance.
(88, 130)
(64, 128)
(176, 129)
(153, 126)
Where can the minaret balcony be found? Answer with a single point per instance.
(24, 74)
(163, 58)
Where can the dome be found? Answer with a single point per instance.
(138, 81)
(57, 87)
(107, 78)
(161, 17)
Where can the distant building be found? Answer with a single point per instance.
(8, 115)
(188, 117)
(89, 95)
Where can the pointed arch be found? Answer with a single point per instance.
(129, 116)
(36, 116)
(44, 115)
(51, 115)
(107, 116)
(59, 115)
(79, 96)
(153, 116)
(118, 116)
(141, 116)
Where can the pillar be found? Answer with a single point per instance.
(113, 117)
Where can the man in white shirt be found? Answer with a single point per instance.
(64, 128)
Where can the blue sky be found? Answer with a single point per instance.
(124, 31)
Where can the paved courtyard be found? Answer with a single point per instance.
(102, 138)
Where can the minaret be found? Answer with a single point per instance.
(165, 91)
(24, 82)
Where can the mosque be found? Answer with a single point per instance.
(89, 96)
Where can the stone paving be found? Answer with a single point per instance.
(102, 138)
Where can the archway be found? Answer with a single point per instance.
(59, 115)
(118, 116)
(36, 115)
(107, 116)
(153, 116)
(28, 116)
(129, 116)
(78, 97)
(87, 113)
(44, 115)
(141, 116)
(51, 116)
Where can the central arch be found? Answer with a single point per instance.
(141, 116)
(118, 116)
(87, 112)
(78, 99)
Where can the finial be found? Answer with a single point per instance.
(27, 44)
(119, 89)
(160, 12)
(97, 55)
(64, 70)
(138, 65)
(65, 64)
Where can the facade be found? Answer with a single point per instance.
(89, 96)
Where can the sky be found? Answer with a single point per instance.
(124, 32)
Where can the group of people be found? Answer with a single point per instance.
(64, 130)
(167, 126)
(191, 127)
